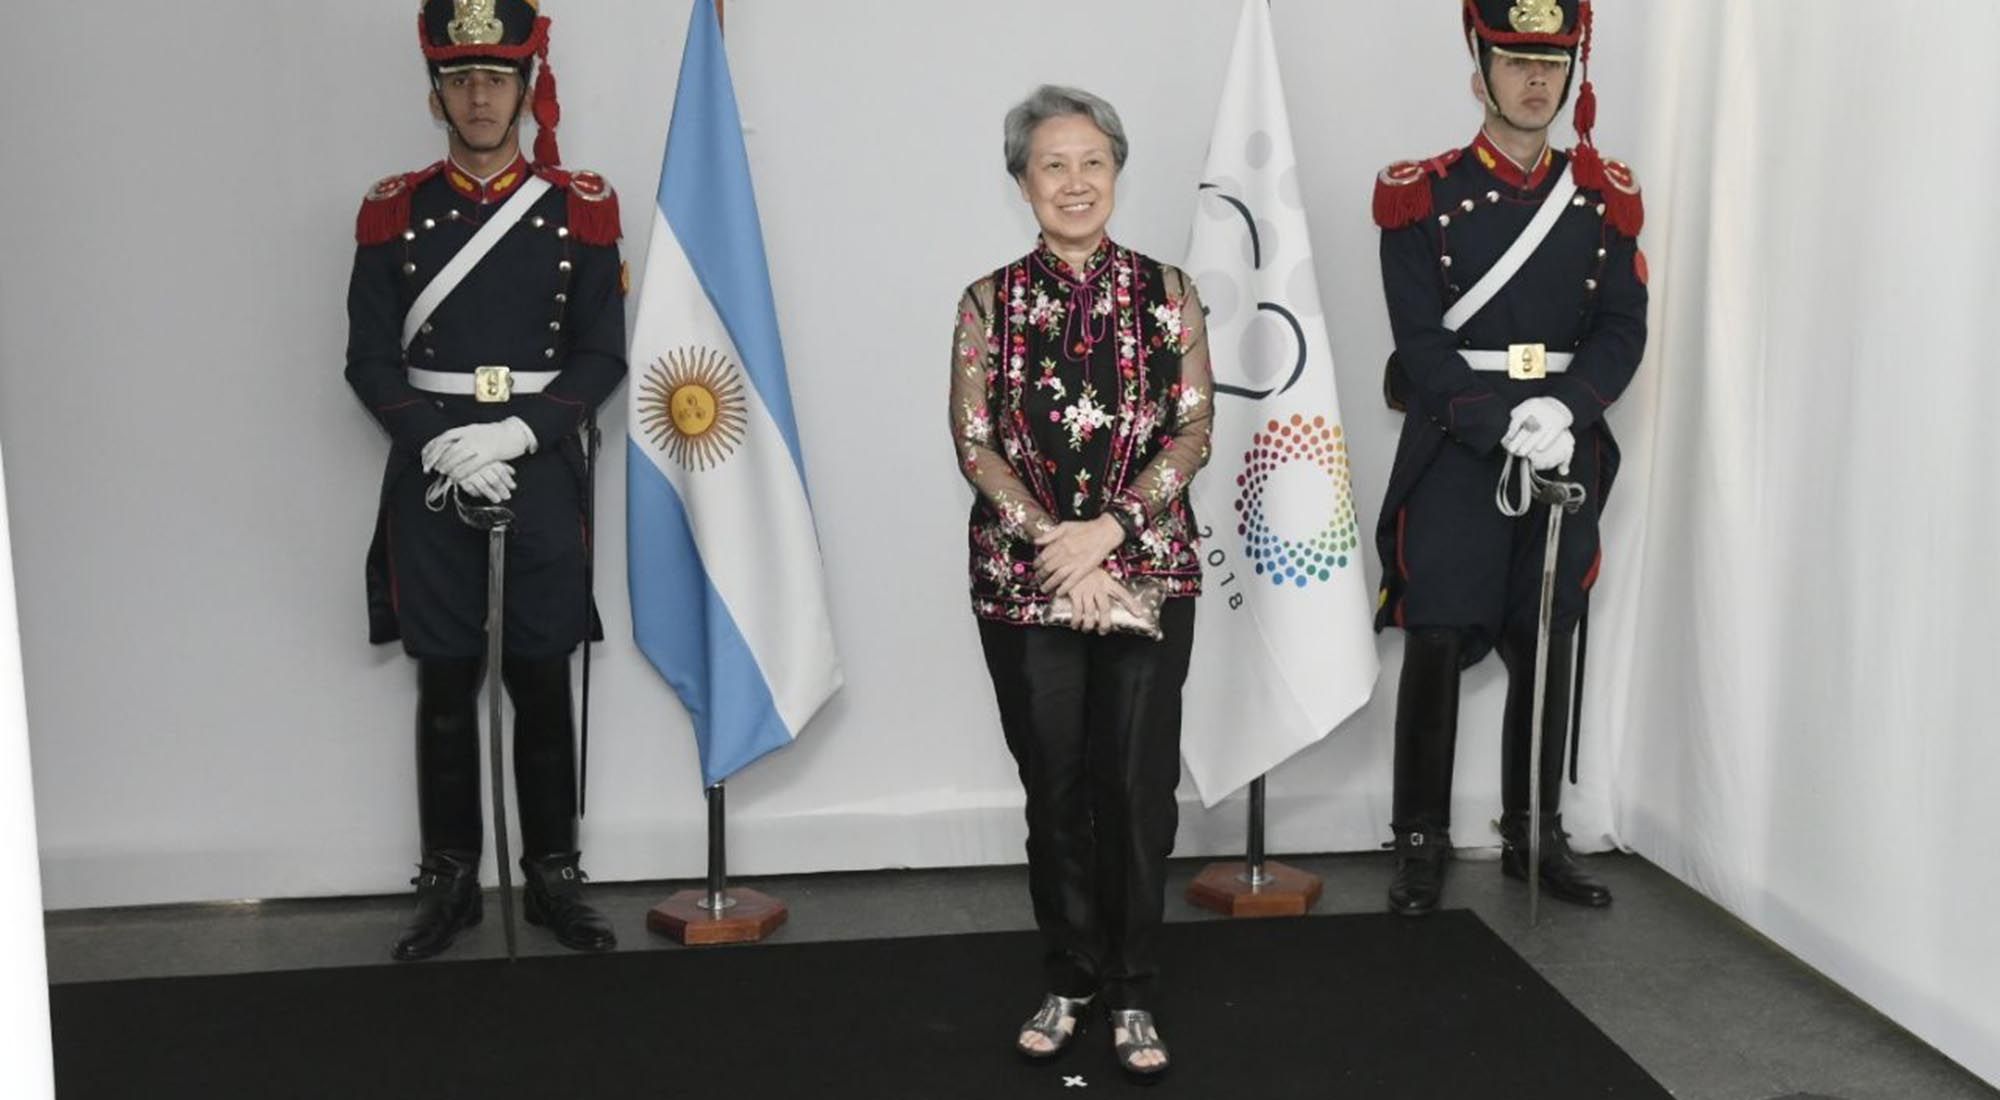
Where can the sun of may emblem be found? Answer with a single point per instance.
(691, 404)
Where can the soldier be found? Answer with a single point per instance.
(1517, 298)
(486, 324)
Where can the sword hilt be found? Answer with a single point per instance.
(1567, 495)
(484, 517)
(1515, 498)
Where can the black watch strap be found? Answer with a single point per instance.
(1124, 521)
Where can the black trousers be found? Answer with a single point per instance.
(1427, 724)
(448, 775)
(1094, 723)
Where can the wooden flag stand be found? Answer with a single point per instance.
(699, 918)
(1253, 887)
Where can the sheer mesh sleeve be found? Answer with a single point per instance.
(975, 367)
(1167, 476)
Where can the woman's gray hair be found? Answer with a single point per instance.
(1053, 101)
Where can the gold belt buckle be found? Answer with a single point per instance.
(1527, 361)
(492, 385)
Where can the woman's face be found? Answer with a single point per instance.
(1070, 180)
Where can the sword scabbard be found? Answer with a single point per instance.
(590, 444)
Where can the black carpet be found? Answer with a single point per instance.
(1374, 1007)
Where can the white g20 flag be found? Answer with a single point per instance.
(1285, 637)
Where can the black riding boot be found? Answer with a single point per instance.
(447, 881)
(554, 898)
(545, 781)
(1419, 881)
(448, 902)
(1561, 875)
(1426, 739)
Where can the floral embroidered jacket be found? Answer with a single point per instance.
(1072, 395)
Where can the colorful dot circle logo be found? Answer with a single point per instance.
(1293, 557)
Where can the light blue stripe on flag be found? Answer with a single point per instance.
(686, 630)
(706, 196)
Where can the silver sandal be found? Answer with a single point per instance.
(1048, 1022)
(1140, 1036)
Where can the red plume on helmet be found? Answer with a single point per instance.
(548, 112)
(1586, 94)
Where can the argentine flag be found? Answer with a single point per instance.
(728, 600)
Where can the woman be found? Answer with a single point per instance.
(1080, 404)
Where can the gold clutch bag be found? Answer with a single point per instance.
(1148, 593)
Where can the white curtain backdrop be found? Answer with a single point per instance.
(1791, 679)
(1795, 679)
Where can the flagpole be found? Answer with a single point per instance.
(718, 898)
(1253, 862)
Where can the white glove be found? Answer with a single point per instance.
(1556, 455)
(459, 451)
(493, 481)
(1535, 423)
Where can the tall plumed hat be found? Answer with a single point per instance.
(1537, 28)
(505, 35)
(1559, 27)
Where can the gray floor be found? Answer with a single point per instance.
(1706, 1005)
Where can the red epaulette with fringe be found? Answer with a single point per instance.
(1403, 190)
(385, 211)
(1624, 207)
(593, 205)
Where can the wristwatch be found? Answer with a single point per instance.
(1124, 521)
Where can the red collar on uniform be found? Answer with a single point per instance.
(504, 183)
(1503, 167)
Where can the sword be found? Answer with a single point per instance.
(495, 520)
(1562, 497)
